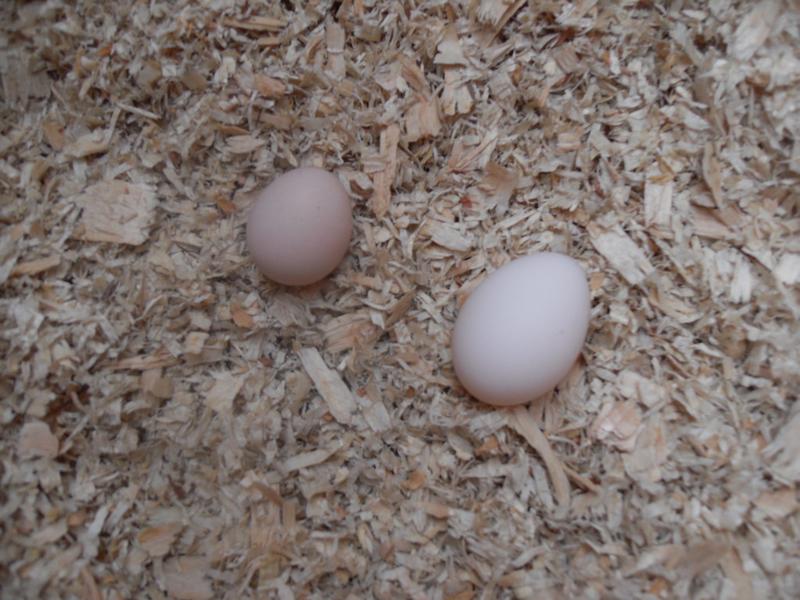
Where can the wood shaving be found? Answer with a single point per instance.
(649, 453)
(39, 265)
(184, 578)
(787, 270)
(158, 540)
(221, 395)
(621, 252)
(618, 424)
(500, 184)
(658, 205)
(308, 459)
(329, 384)
(195, 341)
(778, 504)
(422, 120)
(384, 178)
(754, 29)
(243, 144)
(785, 450)
(335, 37)
(449, 51)
(256, 23)
(524, 424)
(456, 96)
(36, 439)
(116, 211)
(448, 236)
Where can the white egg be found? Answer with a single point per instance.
(519, 333)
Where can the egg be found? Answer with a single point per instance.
(299, 227)
(520, 331)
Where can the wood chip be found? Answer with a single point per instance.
(91, 591)
(222, 394)
(500, 184)
(787, 271)
(54, 134)
(464, 159)
(243, 144)
(185, 578)
(258, 23)
(377, 417)
(422, 120)
(497, 13)
(634, 386)
(400, 309)
(329, 384)
(701, 557)
(449, 51)
(335, 40)
(448, 236)
(348, 331)
(195, 341)
(116, 211)
(706, 224)
(778, 504)
(754, 29)
(712, 174)
(415, 480)
(732, 566)
(308, 459)
(618, 424)
(88, 144)
(649, 453)
(785, 450)
(269, 41)
(49, 534)
(159, 359)
(658, 204)
(38, 265)
(154, 382)
(384, 178)
(36, 439)
(622, 252)
(139, 111)
(158, 540)
(241, 317)
(456, 96)
(268, 87)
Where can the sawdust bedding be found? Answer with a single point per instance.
(175, 426)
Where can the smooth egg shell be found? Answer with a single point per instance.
(300, 226)
(520, 331)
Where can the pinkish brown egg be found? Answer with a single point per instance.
(520, 331)
(300, 226)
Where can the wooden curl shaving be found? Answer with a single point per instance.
(523, 423)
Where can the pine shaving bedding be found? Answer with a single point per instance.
(174, 425)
